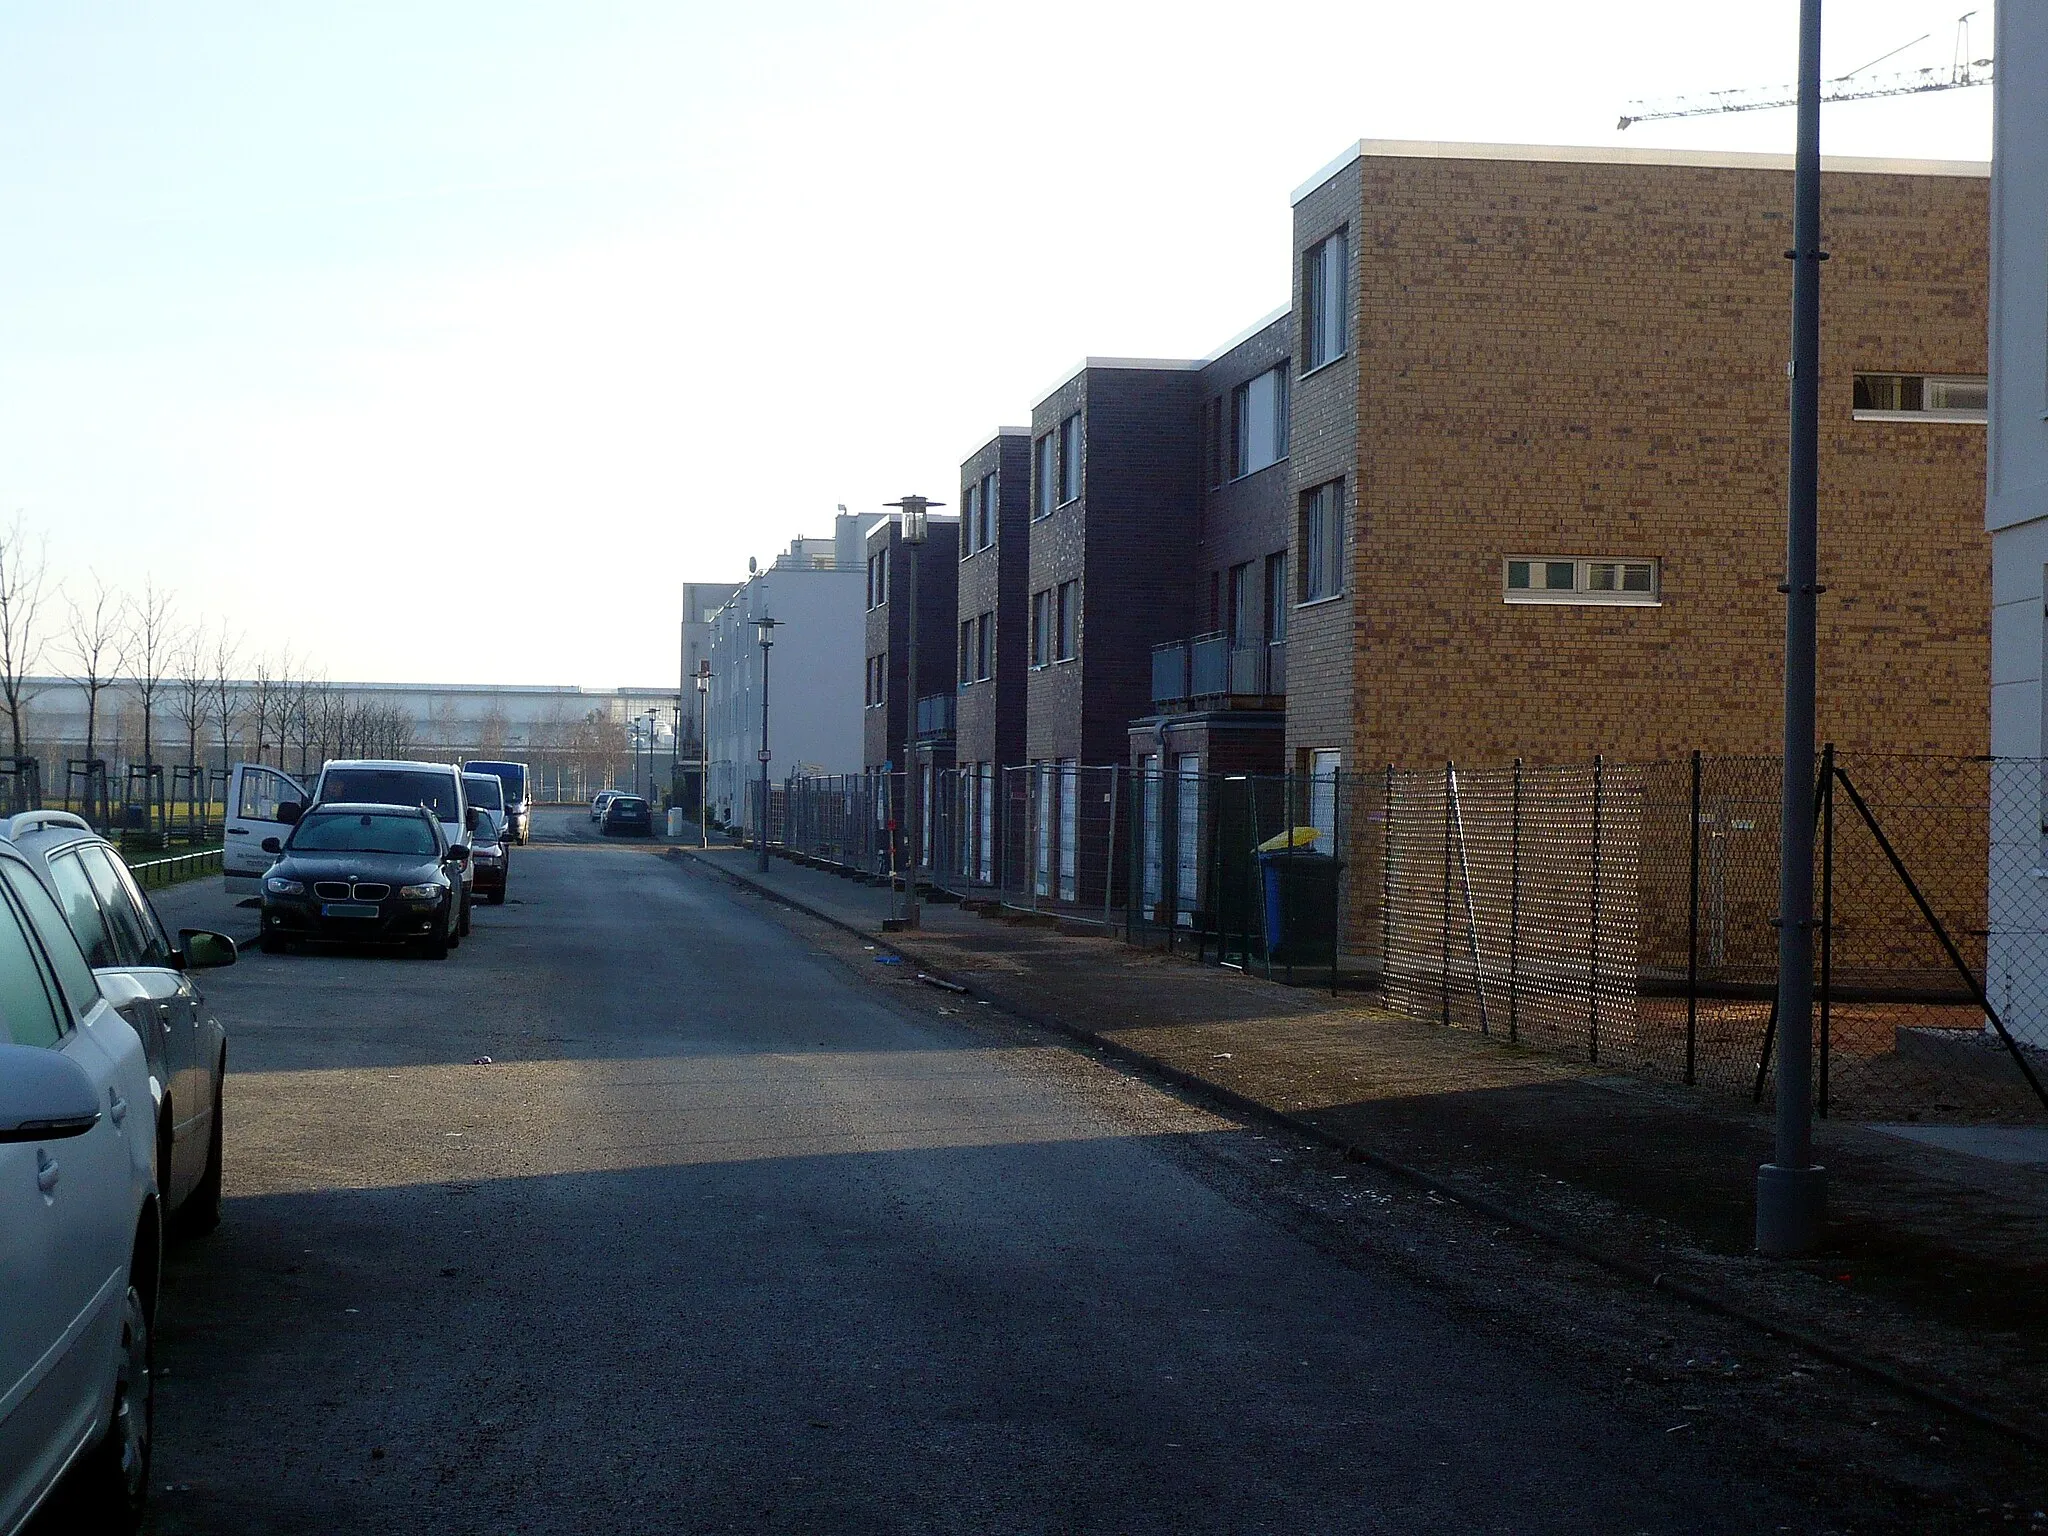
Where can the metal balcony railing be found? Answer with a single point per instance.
(935, 716)
(1210, 667)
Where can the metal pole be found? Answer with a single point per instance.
(704, 766)
(1444, 973)
(1791, 1193)
(1515, 909)
(910, 801)
(1593, 933)
(1692, 936)
(761, 833)
(1827, 916)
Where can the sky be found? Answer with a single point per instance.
(443, 342)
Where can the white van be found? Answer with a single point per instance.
(264, 804)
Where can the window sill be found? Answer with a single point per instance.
(1578, 600)
(1234, 479)
(1320, 602)
(1973, 418)
(1309, 373)
(1070, 501)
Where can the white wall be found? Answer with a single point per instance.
(2016, 512)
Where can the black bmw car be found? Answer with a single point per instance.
(363, 874)
(628, 815)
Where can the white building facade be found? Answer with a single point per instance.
(2016, 513)
(816, 592)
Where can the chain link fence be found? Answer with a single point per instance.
(1623, 914)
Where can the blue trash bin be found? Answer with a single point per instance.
(1300, 891)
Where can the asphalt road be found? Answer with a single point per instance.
(738, 1230)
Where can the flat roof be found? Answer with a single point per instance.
(1129, 364)
(1248, 333)
(1589, 154)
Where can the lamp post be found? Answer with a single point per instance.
(912, 533)
(653, 736)
(1790, 1191)
(703, 682)
(764, 631)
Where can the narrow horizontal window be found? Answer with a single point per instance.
(1920, 397)
(1556, 579)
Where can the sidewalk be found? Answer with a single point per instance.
(1938, 1263)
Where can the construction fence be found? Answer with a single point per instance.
(1622, 914)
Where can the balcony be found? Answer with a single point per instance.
(935, 717)
(1208, 670)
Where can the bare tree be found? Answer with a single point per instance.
(21, 620)
(151, 645)
(189, 679)
(92, 640)
(264, 688)
(226, 693)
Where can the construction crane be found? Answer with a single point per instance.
(1857, 85)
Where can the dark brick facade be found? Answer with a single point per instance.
(1128, 539)
(997, 580)
(883, 726)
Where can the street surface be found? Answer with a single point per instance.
(739, 1230)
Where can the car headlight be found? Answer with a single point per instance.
(277, 885)
(419, 892)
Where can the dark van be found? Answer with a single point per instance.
(513, 776)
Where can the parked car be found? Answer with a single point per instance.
(628, 814)
(80, 1227)
(365, 874)
(515, 778)
(263, 804)
(150, 982)
(603, 798)
(487, 852)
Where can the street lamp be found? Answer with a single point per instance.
(764, 632)
(703, 682)
(652, 735)
(912, 534)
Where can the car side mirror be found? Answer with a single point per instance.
(289, 812)
(458, 855)
(44, 1095)
(205, 950)
(272, 845)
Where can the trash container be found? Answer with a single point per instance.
(676, 817)
(1300, 889)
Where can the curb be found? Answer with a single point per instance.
(1245, 1107)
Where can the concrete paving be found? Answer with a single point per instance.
(645, 1213)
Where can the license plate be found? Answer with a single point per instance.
(348, 909)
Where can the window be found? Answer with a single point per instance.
(1041, 628)
(1044, 489)
(970, 519)
(878, 578)
(82, 910)
(1070, 829)
(985, 651)
(1068, 617)
(137, 939)
(75, 981)
(1565, 579)
(28, 1015)
(1325, 771)
(1276, 597)
(1920, 397)
(1326, 300)
(878, 680)
(1322, 542)
(1070, 458)
(1259, 423)
(989, 505)
(964, 670)
(1237, 610)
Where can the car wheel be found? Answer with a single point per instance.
(113, 1478)
(271, 944)
(201, 1211)
(462, 927)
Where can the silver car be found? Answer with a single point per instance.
(149, 980)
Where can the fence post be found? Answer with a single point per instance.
(1515, 907)
(1340, 915)
(1445, 980)
(1109, 853)
(1827, 913)
(1593, 948)
(1387, 885)
(1692, 934)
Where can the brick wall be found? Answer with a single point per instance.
(997, 580)
(888, 631)
(1589, 359)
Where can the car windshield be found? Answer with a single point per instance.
(484, 790)
(392, 786)
(511, 775)
(363, 832)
